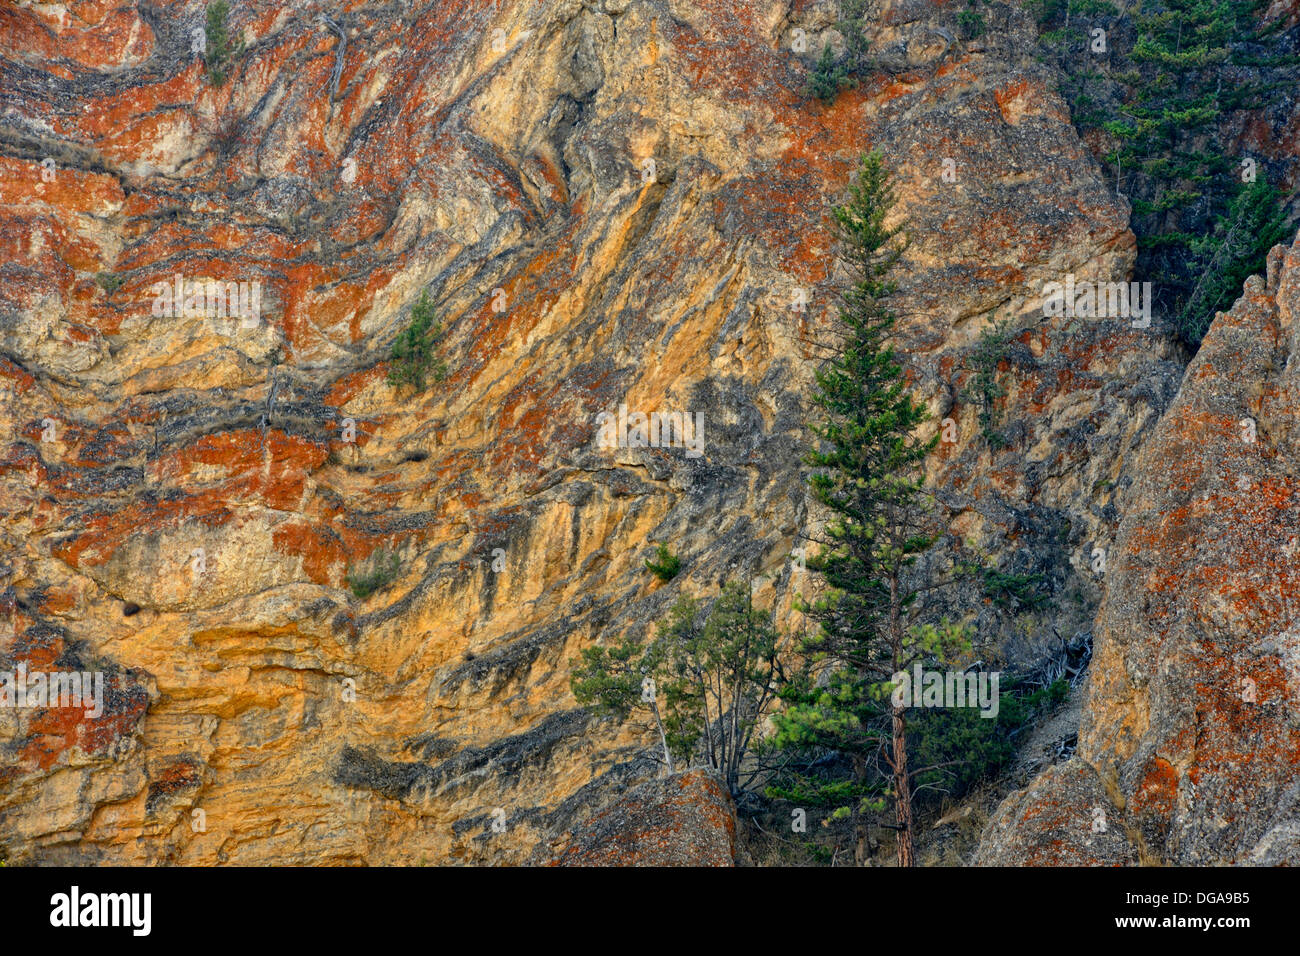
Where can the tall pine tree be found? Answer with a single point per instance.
(868, 473)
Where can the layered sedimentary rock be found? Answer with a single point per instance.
(1189, 748)
(612, 204)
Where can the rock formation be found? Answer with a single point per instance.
(617, 203)
(686, 819)
(1189, 749)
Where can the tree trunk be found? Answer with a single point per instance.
(902, 783)
(861, 826)
(663, 738)
(902, 792)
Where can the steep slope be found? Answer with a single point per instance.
(1189, 749)
(618, 203)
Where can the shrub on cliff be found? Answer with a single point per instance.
(1015, 591)
(971, 24)
(414, 355)
(108, 281)
(984, 387)
(831, 73)
(828, 76)
(706, 681)
(219, 51)
(380, 571)
(665, 565)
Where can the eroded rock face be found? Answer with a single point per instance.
(687, 819)
(1189, 748)
(612, 204)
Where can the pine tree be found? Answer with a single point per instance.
(1182, 182)
(868, 474)
(414, 356)
(219, 49)
(720, 680)
(1236, 248)
(832, 73)
(618, 680)
(1176, 72)
(828, 77)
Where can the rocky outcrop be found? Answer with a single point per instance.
(686, 819)
(1189, 746)
(613, 204)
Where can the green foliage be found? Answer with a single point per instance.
(1051, 11)
(953, 748)
(965, 747)
(868, 473)
(828, 76)
(835, 730)
(1234, 250)
(109, 282)
(832, 73)
(853, 14)
(985, 389)
(665, 565)
(706, 682)
(1163, 107)
(379, 571)
(971, 24)
(609, 680)
(219, 52)
(717, 680)
(415, 355)
(1015, 591)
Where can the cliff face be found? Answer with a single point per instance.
(613, 204)
(1189, 748)
(685, 819)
